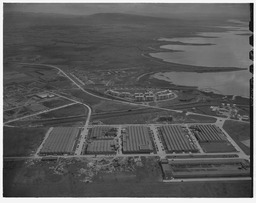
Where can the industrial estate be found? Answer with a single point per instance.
(87, 127)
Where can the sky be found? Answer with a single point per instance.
(149, 9)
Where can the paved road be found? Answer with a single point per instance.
(77, 79)
(157, 141)
(206, 179)
(194, 139)
(119, 134)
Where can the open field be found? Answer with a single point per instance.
(108, 106)
(239, 132)
(200, 119)
(74, 110)
(102, 38)
(22, 141)
(56, 102)
(38, 180)
(63, 121)
(148, 115)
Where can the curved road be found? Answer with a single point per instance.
(124, 102)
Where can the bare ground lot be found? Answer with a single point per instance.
(22, 141)
(239, 132)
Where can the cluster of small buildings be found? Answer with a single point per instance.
(228, 110)
(140, 97)
(44, 95)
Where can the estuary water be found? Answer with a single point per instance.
(212, 49)
(226, 83)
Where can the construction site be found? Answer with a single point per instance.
(176, 139)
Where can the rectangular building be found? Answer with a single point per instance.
(176, 140)
(60, 141)
(137, 140)
(101, 147)
(209, 168)
(208, 133)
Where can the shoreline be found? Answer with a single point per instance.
(191, 68)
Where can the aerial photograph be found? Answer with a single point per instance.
(127, 100)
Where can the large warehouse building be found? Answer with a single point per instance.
(176, 140)
(136, 139)
(208, 133)
(206, 168)
(60, 141)
(102, 147)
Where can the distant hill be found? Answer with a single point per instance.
(125, 18)
(29, 18)
(60, 19)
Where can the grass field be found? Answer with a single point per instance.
(239, 132)
(56, 102)
(108, 106)
(146, 115)
(22, 141)
(74, 110)
(200, 119)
